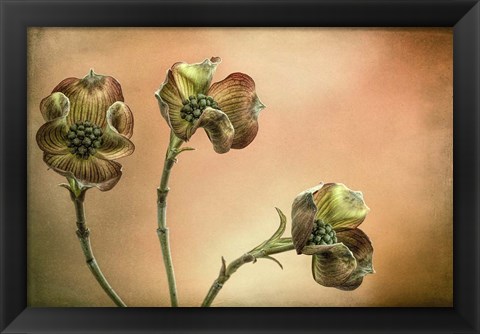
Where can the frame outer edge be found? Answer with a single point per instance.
(472, 160)
(3, 304)
(465, 190)
(12, 176)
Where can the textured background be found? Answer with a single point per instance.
(371, 108)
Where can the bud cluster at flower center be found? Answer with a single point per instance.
(322, 234)
(84, 138)
(194, 107)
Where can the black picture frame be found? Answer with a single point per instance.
(18, 15)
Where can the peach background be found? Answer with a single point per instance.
(371, 108)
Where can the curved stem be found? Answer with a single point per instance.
(162, 230)
(83, 234)
(283, 245)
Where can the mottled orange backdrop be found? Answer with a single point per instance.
(371, 108)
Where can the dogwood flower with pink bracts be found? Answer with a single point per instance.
(227, 110)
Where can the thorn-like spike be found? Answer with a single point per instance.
(274, 260)
(223, 268)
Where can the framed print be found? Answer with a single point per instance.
(337, 140)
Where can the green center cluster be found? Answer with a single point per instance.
(322, 234)
(194, 107)
(84, 138)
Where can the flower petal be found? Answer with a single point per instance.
(361, 247)
(237, 98)
(103, 174)
(90, 97)
(170, 103)
(218, 128)
(317, 249)
(303, 216)
(51, 137)
(114, 144)
(192, 79)
(339, 206)
(54, 106)
(332, 266)
(120, 117)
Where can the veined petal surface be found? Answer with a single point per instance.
(103, 174)
(51, 137)
(304, 211)
(115, 145)
(361, 247)
(90, 97)
(339, 206)
(54, 106)
(170, 102)
(218, 128)
(120, 117)
(332, 267)
(192, 79)
(237, 98)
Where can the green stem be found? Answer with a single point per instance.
(284, 245)
(83, 234)
(162, 230)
